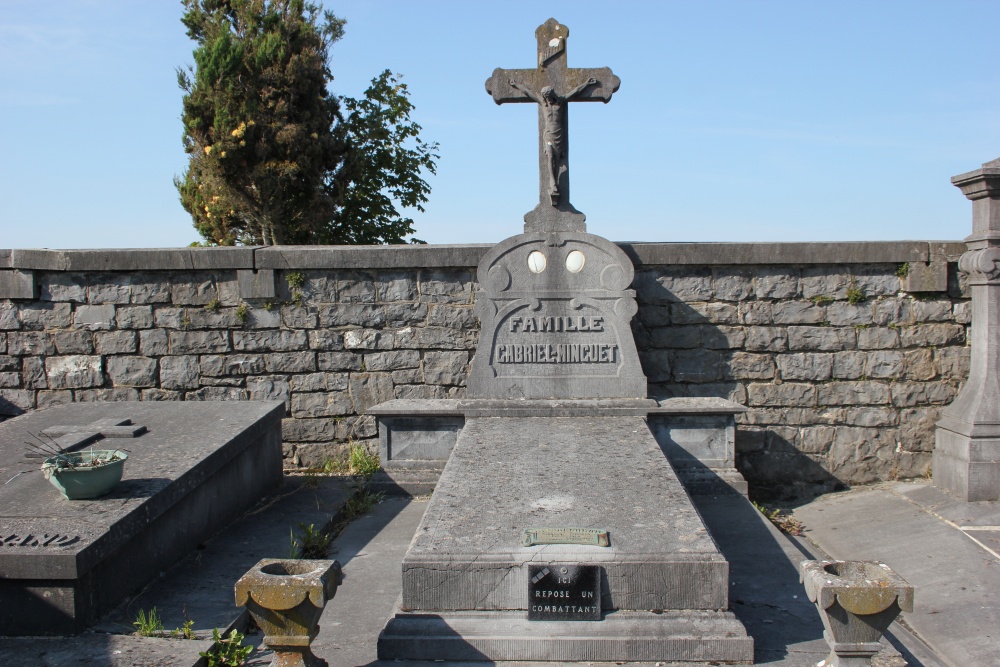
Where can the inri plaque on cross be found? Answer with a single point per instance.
(552, 86)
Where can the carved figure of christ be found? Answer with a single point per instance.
(552, 110)
(552, 85)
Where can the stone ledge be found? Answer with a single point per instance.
(455, 407)
(467, 256)
(133, 259)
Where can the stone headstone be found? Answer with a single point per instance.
(192, 468)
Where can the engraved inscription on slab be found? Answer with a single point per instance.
(564, 592)
(590, 536)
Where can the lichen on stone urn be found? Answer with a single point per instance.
(286, 598)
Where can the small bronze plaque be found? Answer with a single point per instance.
(564, 593)
(591, 536)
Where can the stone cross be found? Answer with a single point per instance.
(552, 86)
(76, 437)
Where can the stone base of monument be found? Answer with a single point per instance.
(198, 465)
(467, 592)
(697, 435)
(967, 459)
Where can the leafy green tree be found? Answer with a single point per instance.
(272, 158)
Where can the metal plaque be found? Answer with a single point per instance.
(564, 592)
(590, 536)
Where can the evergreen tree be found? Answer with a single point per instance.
(272, 159)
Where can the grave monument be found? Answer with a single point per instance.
(558, 530)
(192, 468)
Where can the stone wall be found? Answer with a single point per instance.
(843, 361)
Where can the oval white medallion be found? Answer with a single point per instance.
(575, 261)
(536, 262)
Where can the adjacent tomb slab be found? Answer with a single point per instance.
(64, 563)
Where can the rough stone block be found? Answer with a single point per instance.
(853, 393)
(825, 281)
(46, 315)
(356, 288)
(656, 365)
(871, 417)
(172, 318)
(922, 335)
(50, 399)
(757, 312)
(134, 317)
(149, 288)
(161, 395)
(849, 365)
(113, 394)
(770, 339)
(115, 342)
(404, 314)
(290, 362)
(217, 394)
(939, 310)
(352, 314)
(876, 280)
(694, 313)
(74, 372)
(268, 389)
(724, 338)
(15, 401)
(797, 312)
(685, 337)
(457, 317)
(407, 376)
(962, 313)
(9, 320)
(329, 404)
(696, 366)
(110, 288)
(446, 286)
(30, 342)
(930, 277)
(917, 428)
(198, 342)
(776, 282)
(9, 363)
(217, 365)
(892, 311)
(179, 372)
(33, 372)
(62, 287)
(785, 394)
(821, 338)
(198, 289)
(73, 342)
(919, 364)
(319, 382)
(300, 317)
(805, 366)
(817, 439)
(153, 342)
(885, 364)
(10, 380)
(17, 284)
(396, 286)
(263, 318)
(732, 284)
(445, 368)
(270, 341)
(368, 389)
(912, 394)
(748, 366)
(392, 360)
(952, 362)
(878, 338)
(256, 284)
(338, 361)
(842, 313)
(94, 318)
(369, 339)
(132, 371)
(682, 284)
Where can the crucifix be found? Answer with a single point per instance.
(552, 86)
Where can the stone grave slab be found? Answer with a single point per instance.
(192, 467)
(465, 576)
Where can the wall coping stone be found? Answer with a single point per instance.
(467, 255)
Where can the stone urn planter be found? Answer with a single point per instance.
(87, 474)
(857, 601)
(286, 597)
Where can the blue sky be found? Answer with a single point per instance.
(736, 120)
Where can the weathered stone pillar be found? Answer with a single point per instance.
(967, 452)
